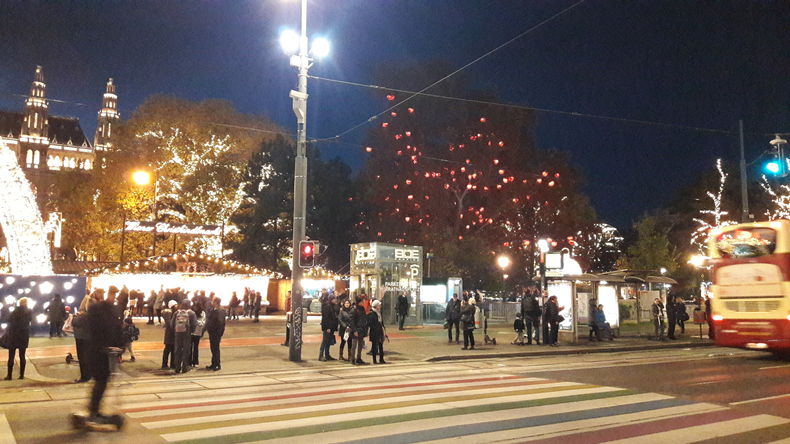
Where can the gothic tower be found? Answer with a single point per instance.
(108, 117)
(33, 140)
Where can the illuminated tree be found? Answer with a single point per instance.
(711, 218)
(779, 200)
(598, 247)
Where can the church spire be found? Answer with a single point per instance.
(108, 116)
(35, 125)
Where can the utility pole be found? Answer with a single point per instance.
(744, 190)
(299, 97)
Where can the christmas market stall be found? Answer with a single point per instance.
(188, 272)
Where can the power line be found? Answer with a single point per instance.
(529, 30)
(531, 108)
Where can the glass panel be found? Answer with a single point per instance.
(746, 242)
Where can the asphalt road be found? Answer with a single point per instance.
(684, 395)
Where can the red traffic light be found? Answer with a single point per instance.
(307, 249)
(307, 254)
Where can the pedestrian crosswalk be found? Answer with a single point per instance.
(442, 407)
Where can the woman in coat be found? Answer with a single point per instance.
(346, 331)
(360, 331)
(377, 332)
(468, 323)
(551, 316)
(56, 314)
(18, 337)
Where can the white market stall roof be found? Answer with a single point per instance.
(621, 276)
(170, 264)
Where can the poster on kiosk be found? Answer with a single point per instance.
(385, 271)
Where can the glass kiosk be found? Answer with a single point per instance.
(384, 271)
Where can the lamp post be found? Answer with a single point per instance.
(144, 178)
(291, 42)
(543, 246)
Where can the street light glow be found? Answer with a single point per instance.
(543, 245)
(503, 262)
(320, 47)
(289, 41)
(141, 177)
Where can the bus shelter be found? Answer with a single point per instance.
(384, 271)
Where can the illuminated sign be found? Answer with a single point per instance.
(168, 228)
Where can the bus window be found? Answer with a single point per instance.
(746, 242)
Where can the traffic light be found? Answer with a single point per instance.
(307, 254)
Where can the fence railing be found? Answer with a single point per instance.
(506, 311)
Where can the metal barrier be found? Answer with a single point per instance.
(504, 310)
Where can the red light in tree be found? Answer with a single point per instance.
(411, 110)
(544, 174)
(501, 172)
(410, 197)
(390, 97)
(557, 175)
(385, 124)
(482, 120)
(408, 181)
(551, 183)
(408, 134)
(539, 180)
(394, 114)
(368, 149)
(407, 219)
(496, 161)
(501, 143)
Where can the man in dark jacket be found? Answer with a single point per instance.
(104, 327)
(329, 325)
(360, 331)
(453, 317)
(215, 326)
(168, 354)
(255, 302)
(531, 314)
(81, 340)
(402, 309)
(184, 321)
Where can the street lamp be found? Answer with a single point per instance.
(296, 45)
(503, 262)
(143, 178)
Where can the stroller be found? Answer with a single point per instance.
(110, 423)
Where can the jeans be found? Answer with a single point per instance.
(356, 348)
(450, 324)
(469, 338)
(22, 360)
(183, 346)
(326, 342)
(194, 353)
(554, 330)
(533, 323)
(168, 352)
(214, 340)
(101, 363)
(658, 326)
(401, 320)
(377, 348)
(82, 358)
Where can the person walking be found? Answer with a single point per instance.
(360, 322)
(233, 306)
(709, 318)
(468, 323)
(105, 326)
(81, 339)
(402, 309)
(453, 317)
(657, 312)
(531, 311)
(149, 307)
(518, 327)
(130, 334)
(168, 354)
(346, 329)
(184, 322)
(682, 315)
(328, 327)
(197, 333)
(215, 326)
(56, 314)
(551, 317)
(377, 332)
(18, 337)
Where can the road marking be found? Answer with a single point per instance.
(706, 382)
(713, 430)
(775, 366)
(6, 434)
(767, 398)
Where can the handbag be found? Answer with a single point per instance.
(4, 340)
(560, 318)
(446, 325)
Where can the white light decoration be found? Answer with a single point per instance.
(41, 318)
(46, 287)
(33, 283)
(20, 291)
(69, 299)
(67, 285)
(21, 220)
(3, 325)
(31, 303)
(10, 300)
(27, 290)
(10, 280)
(46, 305)
(699, 236)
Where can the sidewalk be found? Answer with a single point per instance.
(253, 347)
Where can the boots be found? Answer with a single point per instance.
(10, 369)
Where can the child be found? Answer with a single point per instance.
(130, 334)
(518, 326)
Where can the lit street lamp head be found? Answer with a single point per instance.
(141, 177)
(503, 262)
(543, 245)
(320, 48)
(289, 41)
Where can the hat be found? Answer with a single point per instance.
(171, 304)
(472, 301)
(375, 303)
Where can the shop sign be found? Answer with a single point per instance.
(168, 228)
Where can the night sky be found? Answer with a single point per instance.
(701, 64)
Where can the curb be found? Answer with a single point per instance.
(572, 351)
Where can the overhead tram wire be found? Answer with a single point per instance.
(522, 34)
(530, 108)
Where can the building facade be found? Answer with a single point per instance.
(43, 142)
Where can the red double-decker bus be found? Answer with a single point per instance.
(751, 285)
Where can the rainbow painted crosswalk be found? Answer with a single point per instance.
(444, 407)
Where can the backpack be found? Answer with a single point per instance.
(181, 322)
(363, 323)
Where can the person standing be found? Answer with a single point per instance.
(709, 318)
(105, 328)
(360, 322)
(402, 309)
(682, 315)
(130, 334)
(197, 332)
(672, 319)
(215, 326)
(56, 314)
(468, 323)
(453, 317)
(531, 312)
(233, 306)
(18, 337)
(551, 317)
(328, 327)
(184, 322)
(377, 332)
(255, 301)
(657, 312)
(288, 317)
(345, 319)
(518, 327)
(168, 354)
(159, 304)
(81, 339)
(149, 307)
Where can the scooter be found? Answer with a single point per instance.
(104, 423)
